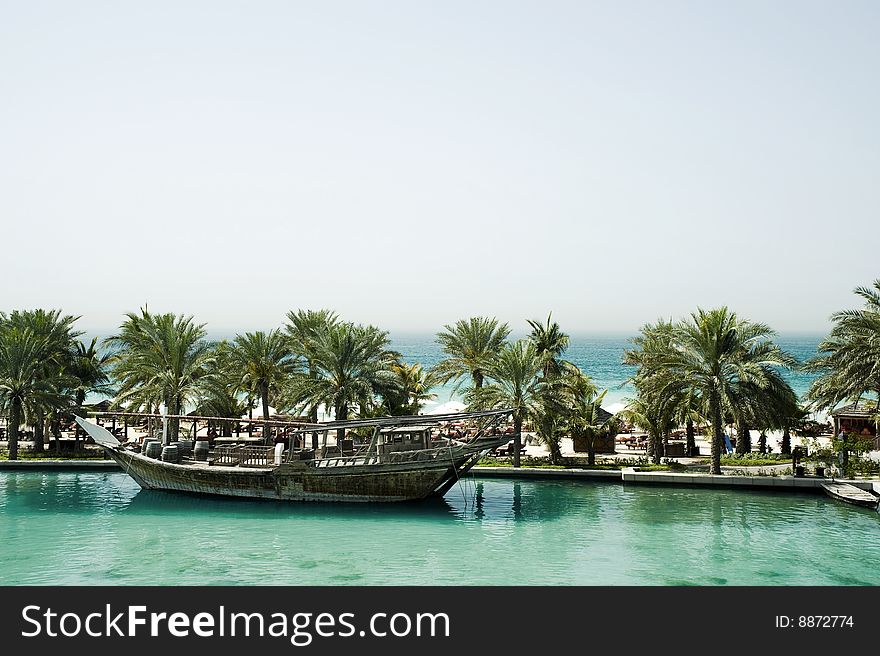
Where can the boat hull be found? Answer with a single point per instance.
(297, 481)
(850, 494)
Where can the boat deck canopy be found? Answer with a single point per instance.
(419, 421)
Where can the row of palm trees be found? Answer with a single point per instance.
(316, 361)
(712, 368)
(529, 376)
(45, 372)
(848, 363)
(165, 362)
(719, 369)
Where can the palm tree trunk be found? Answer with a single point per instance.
(264, 396)
(478, 379)
(341, 415)
(14, 421)
(743, 441)
(55, 429)
(690, 443)
(517, 440)
(39, 432)
(877, 419)
(80, 399)
(717, 432)
(173, 424)
(555, 452)
(313, 411)
(661, 452)
(762, 442)
(786, 440)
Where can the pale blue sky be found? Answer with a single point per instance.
(412, 163)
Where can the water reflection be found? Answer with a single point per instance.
(528, 501)
(154, 502)
(493, 501)
(475, 500)
(82, 492)
(517, 501)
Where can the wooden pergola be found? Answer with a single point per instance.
(857, 418)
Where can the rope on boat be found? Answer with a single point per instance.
(457, 477)
(492, 419)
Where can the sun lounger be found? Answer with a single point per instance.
(507, 449)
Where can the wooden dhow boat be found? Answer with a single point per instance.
(401, 461)
(850, 494)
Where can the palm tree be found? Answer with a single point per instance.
(221, 401)
(787, 420)
(584, 416)
(91, 369)
(728, 362)
(549, 427)
(849, 358)
(222, 397)
(304, 330)
(772, 408)
(471, 345)
(516, 384)
(58, 335)
(688, 411)
(261, 364)
(550, 343)
(162, 358)
(654, 414)
(351, 364)
(25, 383)
(683, 405)
(91, 373)
(51, 324)
(411, 388)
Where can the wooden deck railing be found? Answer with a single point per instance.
(385, 458)
(243, 456)
(262, 456)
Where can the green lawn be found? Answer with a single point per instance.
(579, 463)
(755, 460)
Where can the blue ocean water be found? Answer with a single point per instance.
(600, 356)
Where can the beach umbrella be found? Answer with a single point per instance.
(447, 408)
(614, 408)
(258, 413)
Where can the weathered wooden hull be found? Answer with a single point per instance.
(850, 494)
(298, 481)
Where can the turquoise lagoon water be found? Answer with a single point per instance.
(101, 528)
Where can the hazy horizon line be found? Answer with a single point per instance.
(230, 333)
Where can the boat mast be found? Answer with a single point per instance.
(371, 450)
